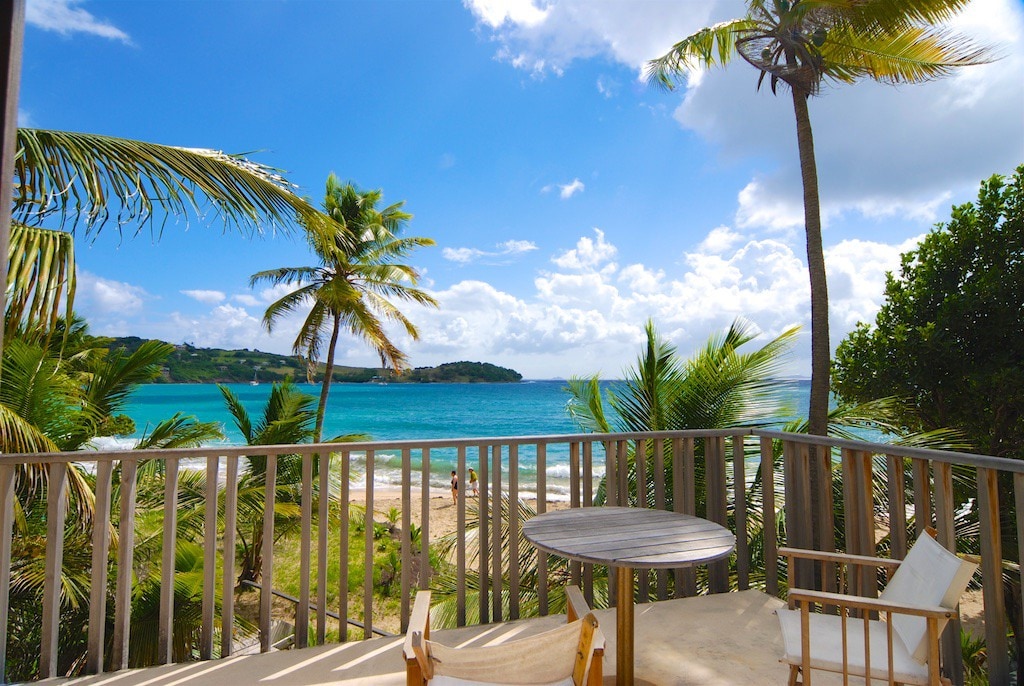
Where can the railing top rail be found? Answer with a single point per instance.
(311, 448)
(948, 456)
(951, 457)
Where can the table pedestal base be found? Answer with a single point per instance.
(624, 627)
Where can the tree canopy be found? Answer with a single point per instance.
(949, 335)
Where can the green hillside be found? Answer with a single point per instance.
(188, 364)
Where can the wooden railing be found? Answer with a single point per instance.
(721, 475)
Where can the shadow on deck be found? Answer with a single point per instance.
(730, 638)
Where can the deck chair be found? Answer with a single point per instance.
(894, 637)
(570, 655)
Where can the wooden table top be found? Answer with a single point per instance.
(629, 537)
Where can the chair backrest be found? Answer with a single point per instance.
(543, 658)
(929, 575)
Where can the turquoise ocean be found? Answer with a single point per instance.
(410, 411)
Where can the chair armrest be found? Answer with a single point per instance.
(875, 604)
(419, 621)
(575, 604)
(863, 560)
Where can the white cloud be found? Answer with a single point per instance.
(497, 13)
(571, 189)
(514, 247)
(247, 300)
(66, 17)
(584, 316)
(588, 253)
(856, 278)
(207, 297)
(881, 151)
(719, 240)
(542, 37)
(106, 297)
(509, 248)
(607, 87)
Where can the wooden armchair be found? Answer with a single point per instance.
(570, 655)
(895, 637)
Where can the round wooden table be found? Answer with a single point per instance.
(628, 538)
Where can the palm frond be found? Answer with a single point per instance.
(41, 267)
(180, 431)
(90, 179)
(709, 47)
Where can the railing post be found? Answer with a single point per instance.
(165, 632)
(343, 539)
(267, 553)
(460, 544)
(209, 558)
(740, 509)
(98, 571)
(542, 503)
(992, 577)
(406, 535)
(513, 531)
(56, 509)
(305, 550)
(125, 558)
(483, 559)
(944, 506)
(771, 546)
(7, 475)
(368, 545)
(496, 514)
(227, 617)
(323, 467)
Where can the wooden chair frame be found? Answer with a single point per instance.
(861, 607)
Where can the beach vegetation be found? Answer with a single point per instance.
(801, 46)
(358, 277)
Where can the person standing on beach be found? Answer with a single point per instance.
(455, 487)
(474, 486)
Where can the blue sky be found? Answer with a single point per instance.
(569, 200)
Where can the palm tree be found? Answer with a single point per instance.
(354, 284)
(801, 43)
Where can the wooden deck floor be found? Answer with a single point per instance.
(726, 639)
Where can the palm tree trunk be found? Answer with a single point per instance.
(325, 386)
(821, 353)
(817, 412)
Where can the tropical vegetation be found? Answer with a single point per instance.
(720, 386)
(358, 277)
(62, 388)
(947, 340)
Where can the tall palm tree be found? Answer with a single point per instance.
(801, 44)
(354, 284)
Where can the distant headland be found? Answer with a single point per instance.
(189, 364)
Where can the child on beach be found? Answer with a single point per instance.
(455, 487)
(474, 486)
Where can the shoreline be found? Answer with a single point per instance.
(442, 512)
